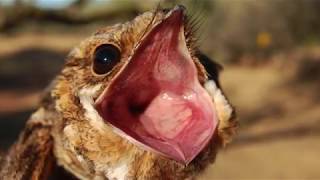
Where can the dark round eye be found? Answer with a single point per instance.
(105, 57)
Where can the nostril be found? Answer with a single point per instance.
(166, 10)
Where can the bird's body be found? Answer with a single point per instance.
(73, 125)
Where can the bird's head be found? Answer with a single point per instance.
(136, 94)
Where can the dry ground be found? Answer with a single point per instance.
(279, 137)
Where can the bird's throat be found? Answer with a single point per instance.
(157, 100)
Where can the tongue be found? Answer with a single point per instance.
(157, 100)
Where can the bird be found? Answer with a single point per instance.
(136, 100)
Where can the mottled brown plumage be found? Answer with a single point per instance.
(68, 126)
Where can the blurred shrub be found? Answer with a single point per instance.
(260, 28)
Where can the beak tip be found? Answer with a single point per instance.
(178, 12)
(179, 8)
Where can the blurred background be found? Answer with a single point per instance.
(270, 50)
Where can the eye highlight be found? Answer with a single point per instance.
(105, 57)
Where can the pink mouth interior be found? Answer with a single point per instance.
(157, 99)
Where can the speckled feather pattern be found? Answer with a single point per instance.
(88, 147)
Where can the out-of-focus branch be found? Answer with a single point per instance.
(76, 13)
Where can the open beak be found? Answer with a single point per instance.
(156, 100)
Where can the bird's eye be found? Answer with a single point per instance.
(105, 57)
